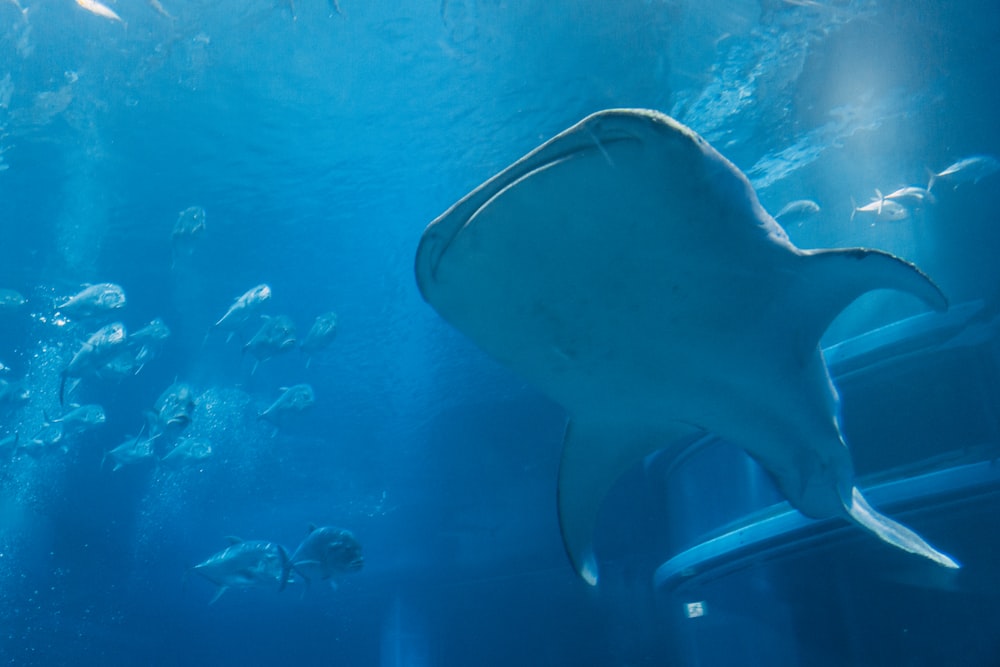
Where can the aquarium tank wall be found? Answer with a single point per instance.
(710, 380)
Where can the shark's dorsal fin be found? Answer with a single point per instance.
(232, 539)
(594, 457)
(310, 528)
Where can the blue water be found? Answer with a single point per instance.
(320, 143)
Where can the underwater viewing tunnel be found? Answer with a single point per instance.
(921, 400)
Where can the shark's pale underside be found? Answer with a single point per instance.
(628, 270)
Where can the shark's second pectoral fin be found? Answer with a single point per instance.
(892, 532)
(594, 457)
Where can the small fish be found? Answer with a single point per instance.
(10, 442)
(94, 300)
(131, 451)
(11, 301)
(155, 4)
(276, 335)
(12, 393)
(147, 342)
(20, 8)
(81, 418)
(141, 347)
(95, 7)
(187, 450)
(882, 208)
(175, 406)
(250, 564)
(46, 439)
(912, 196)
(293, 399)
(327, 553)
(968, 170)
(321, 334)
(797, 212)
(189, 226)
(103, 345)
(154, 332)
(244, 307)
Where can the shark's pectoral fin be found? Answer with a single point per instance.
(594, 457)
(892, 532)
(833, 278)
(218, 594)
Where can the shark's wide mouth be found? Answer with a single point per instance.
(586, 142)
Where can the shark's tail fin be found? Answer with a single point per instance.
(854, 208)
(892, 532)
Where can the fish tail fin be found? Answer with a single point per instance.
(286, 567)
(305, 580)
(218, 594)
(62, 388)
(13, 444)
(892, 532)
(931, 177)
(854, 208)
(881, 200)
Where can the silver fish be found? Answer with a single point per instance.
(189, 225)
(11, 301)
(911, 196)
(187, 450)
(293, 399)
(276, 335)
(99, 348)
(327, 553)
(175, 406)
(81, 418)
(797, 212)
(967, 170)
(320, 335)
(94, 300)
(882, 209)
(13, 392)
(250, 564)
(131, 451)
(47, 438)
(244, 307)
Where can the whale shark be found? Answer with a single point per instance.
(627, 270)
